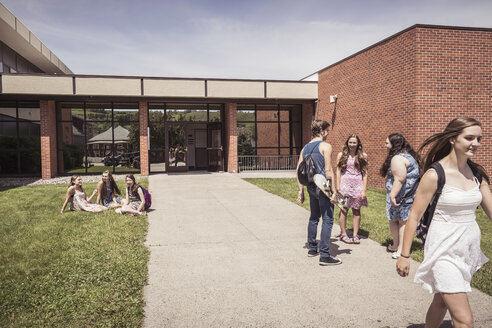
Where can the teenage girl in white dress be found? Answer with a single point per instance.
(452, 251)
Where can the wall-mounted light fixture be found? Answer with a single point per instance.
(333, 99)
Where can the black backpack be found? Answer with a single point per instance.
(426, 219)
(307, 169)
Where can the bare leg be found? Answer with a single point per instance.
(100, 209)
(343, 222)
(460, 309)
(356, 221)
(436, 312)
(129, 209)
(395, 233)
(401, 231)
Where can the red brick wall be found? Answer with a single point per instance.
(376, 93)
(48, 139)
(231, 137)
(413, 83)
(144, 138)
(454, 78)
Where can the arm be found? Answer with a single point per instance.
(70, 192)
(339, 172)
(300, 194)
(127, 197)
(486, 198)
(325, 149)
(99, 192)
(142, 199)
(399, 170)
(364, 181)
(425, 192)
(92, 196)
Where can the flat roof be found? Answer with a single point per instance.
(29, 84)
(18, 37)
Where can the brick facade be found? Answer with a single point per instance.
(48, 139)
(143, 115)
(231, 137)
(413, 83)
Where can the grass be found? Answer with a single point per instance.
(75, 269)
(101, 169)
(374, 224)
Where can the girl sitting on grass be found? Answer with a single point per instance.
(108, 191)
(135, 200)
(352, 181)
(78, 198)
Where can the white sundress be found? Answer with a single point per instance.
(452, 251)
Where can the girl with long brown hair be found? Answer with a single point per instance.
(452, 251)
(108, 191)
(352, 181)
(78, 198)
(135, 199)
(401, 169)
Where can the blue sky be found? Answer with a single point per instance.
(250, 39)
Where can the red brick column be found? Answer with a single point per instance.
(144, 137)
(231, 137)
(48, 139)
(307, 119)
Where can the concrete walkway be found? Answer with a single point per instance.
(225, 253)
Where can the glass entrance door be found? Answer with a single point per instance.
(214, 147)
(177, 152)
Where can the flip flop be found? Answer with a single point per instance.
(356, 239)
(346, 239)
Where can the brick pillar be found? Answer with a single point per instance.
(144, 137)
(307, 119)
(231, 137)
(48, 139)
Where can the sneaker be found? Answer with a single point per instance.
(329, 261)
(312, 253)
(395, 255)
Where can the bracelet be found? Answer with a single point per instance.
(407, 257)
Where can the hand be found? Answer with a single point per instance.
(61, 211)
(333, 198)
(393, 201)
(363, 195)
(95, 191)
(403, 266)
(300, 196)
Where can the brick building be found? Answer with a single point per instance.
(412, 82)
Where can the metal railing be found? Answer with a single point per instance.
(267, 162)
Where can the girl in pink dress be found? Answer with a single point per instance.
(352, 181)
(77, 198)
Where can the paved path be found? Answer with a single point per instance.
(225, 253)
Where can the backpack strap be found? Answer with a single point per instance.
(441, 180)
(317, 143)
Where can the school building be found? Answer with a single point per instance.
(54, 122)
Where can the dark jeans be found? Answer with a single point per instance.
(320, 207)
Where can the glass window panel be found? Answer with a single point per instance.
(8, 162)
(30, 162)
(267, 113)
(69, 111)
(156, 112)
(157, 161)
(126, 145)
(296, 135)
(125, 112)
(29, 136)
(98, 111)
(29, 114)
(99, 141)
(245, 115)
(157, 136)
(214, 115)
(267, 135)
(267, 151)
(8, 111)
(71, 146)
(177, 145)
(22, 65)
(246, 138)
(284, 115)
(8, 135)
(284, 135)
(192, 115)
(296, 113)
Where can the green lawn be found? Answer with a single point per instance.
(374, 224)
(75, 269)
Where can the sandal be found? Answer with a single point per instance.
(346, 239)
(356, 239)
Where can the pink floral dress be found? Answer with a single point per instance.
(351, 184)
